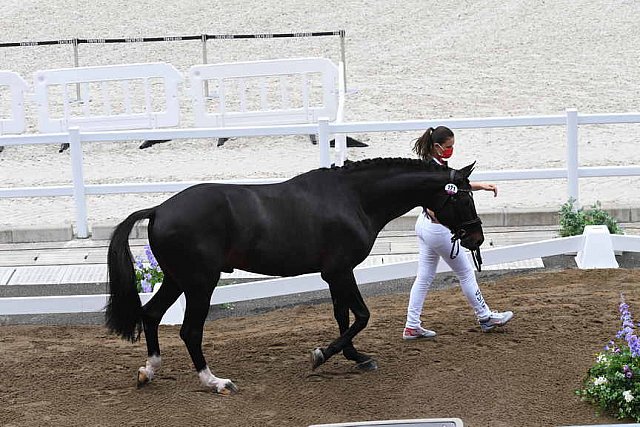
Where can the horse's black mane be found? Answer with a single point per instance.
(389, 162)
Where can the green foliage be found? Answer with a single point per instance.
(613, 382)
(573, 221)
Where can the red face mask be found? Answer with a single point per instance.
(446, 153)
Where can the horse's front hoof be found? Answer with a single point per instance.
(143, 378)
(317, 358)
(367, 365)
(228, 389)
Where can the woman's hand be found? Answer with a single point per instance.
(486, 186)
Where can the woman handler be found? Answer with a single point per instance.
(434, 242)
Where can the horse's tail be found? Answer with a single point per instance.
(124, 309)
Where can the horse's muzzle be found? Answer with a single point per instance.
(472, 240)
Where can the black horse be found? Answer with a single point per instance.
(325, 220)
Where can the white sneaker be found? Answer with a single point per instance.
(495, 318)
(416, 333)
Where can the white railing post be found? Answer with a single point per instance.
(76, 63)
(572, 156)
(343, 60)
(79, 196)
(323, 142)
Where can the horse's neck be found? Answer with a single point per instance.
(394, 195)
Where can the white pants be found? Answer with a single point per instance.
(434, 242)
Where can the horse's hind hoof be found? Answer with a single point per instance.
(317, 358)
(367, 365)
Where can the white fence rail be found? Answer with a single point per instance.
(324, 128)
(595, 249)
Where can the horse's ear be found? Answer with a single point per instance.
(466, 171)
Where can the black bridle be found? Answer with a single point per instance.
(460, 230)
(458, 234)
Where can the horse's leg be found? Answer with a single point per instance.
(152, 313)
(198, 298)
(359, 308)
(345, 295)
(341, 314)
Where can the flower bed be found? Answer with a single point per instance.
(613, 382)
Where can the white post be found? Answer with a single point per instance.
(572, 155)
(79, 196)
(76, 63)
(323, 142)
(340, 149)
(343, 58)
(205, 61)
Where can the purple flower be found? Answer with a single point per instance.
(627, 371)
(628, 328)
(146, 285)
(152, 259)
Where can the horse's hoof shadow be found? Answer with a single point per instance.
(367, 365)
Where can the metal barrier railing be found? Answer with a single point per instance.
(203, 38)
